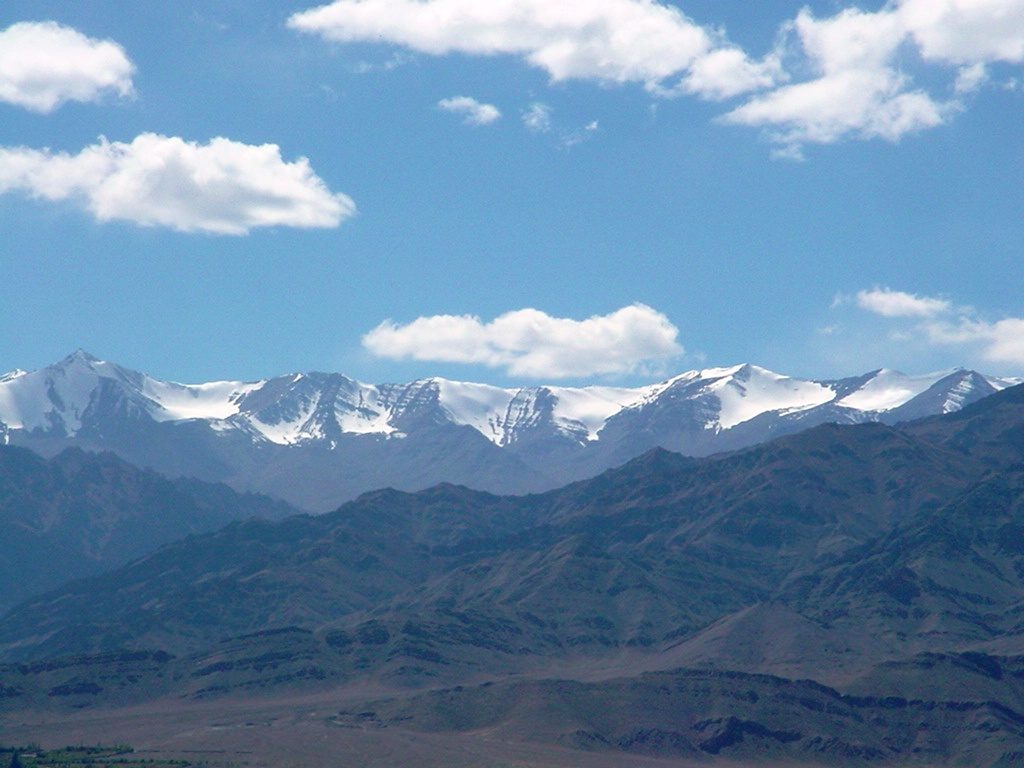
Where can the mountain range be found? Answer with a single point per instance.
(80, 513)
(848, 595)
(316, 440)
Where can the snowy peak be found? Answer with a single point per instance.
(301, 408)
(584, 411)
(82, 392)
(886, 389)
(57, 398)
(70, 395)
(895, 393)
(508, 416)
(722, 398)
(748, 391)
(958, 389)
(486, 409)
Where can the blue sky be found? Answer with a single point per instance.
(813, 246)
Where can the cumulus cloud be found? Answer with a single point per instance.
(473, 112)
(850, 75)
(221, 187)
(859, 87)
(728, 72)
(858, 91)
(612, 41)
(528, 342)
(889, 303)
(44, 65)
(966, 31)
(939, 322)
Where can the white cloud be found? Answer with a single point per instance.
(614, 41)
(472, 111)
(1004, 340)
(728, 72)
(531, 343)
(859, 88)
(966, 31)
(971, 78)
(941, 323)
(44, 64)
(858, 91)
(537, 117)
(889, 303)
(836, 78)
(1001, 341)
(221, 187)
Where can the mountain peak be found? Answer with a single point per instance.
(81, 356)
(722, 372)
(320, 408)
(415, 434)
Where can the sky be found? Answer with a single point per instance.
(514, 192)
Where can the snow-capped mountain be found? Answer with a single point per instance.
(81, 389)
(317, 439)
(80, 392)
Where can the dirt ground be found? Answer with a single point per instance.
(298, 732)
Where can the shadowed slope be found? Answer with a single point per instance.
(81, 513)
